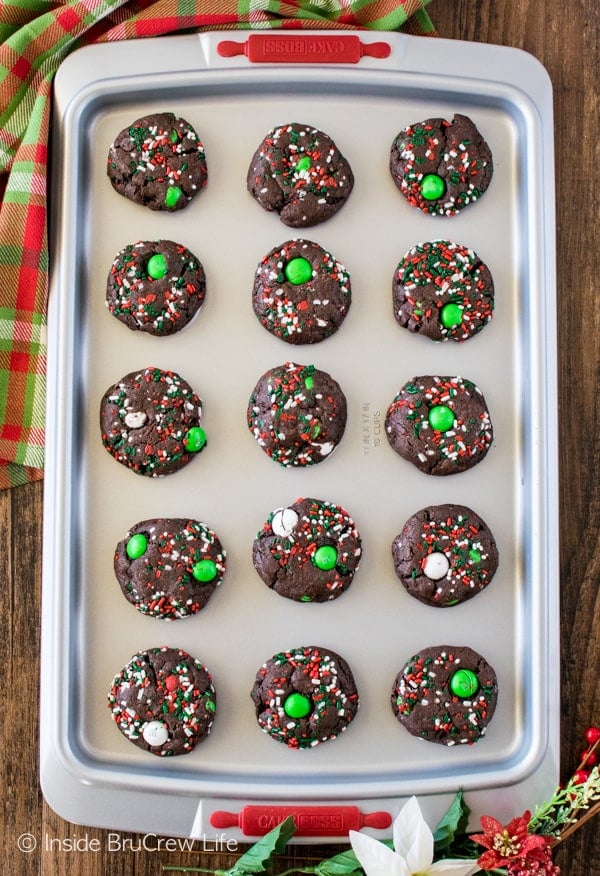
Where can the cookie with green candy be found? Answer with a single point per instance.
(443, 291)
(169, 568)
(308, 551)
(440, 423)
(446, 694)
(301, 293)
(297, 414)
(163, 701)
(151, 422)
(299, 172)
(305, 696)
(155, 286)
(158, 161)
(441, 166)
(445, 555)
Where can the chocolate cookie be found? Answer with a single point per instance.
(297, 414)
(151, 422)
(308, 551)
(155, 286)
(440, 166)
(305, 696)
(169, 568)
(440, 424)
(445, 554)
(298, 172)
(301, 292)
(163, 701)
(446, 694)
(158, 161)
(442, 290)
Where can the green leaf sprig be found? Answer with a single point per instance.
(559, 815)
(257, 857)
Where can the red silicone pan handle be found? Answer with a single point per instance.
(309, 820)
(262, 48)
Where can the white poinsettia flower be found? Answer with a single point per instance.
(412, 854)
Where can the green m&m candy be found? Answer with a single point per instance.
(298, 271)
(325, 557)
(432, 187)
(204, 571)
(137, 546)
(451, 314)
(157, 266)
(173, 195)
(303, 163)
(441, 418)
(464, 684)
(194, 439)
(297, 705)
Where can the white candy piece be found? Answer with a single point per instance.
(326, 448)
(284, 521)
(155, 733)
(436, 566)
(136, 419)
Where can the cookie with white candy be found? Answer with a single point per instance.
(150, 422)
(445, 555)
(308, 551)
(163, 701)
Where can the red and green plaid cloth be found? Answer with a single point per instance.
(35, 36)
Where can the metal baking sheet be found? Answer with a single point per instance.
(89, 772)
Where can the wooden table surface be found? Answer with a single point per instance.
(565, 37)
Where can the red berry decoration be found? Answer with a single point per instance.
(592, 735)
(580, 777)
(590, 757)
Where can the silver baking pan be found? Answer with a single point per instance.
(362, 97)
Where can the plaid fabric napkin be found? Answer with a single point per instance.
(35, 36)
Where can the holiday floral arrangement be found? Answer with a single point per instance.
(522, 847)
